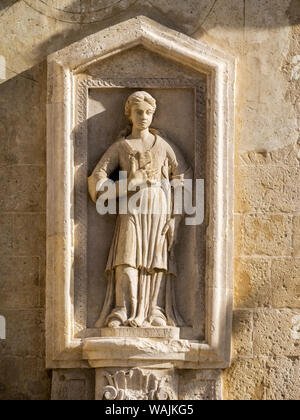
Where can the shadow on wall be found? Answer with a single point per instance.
(4, 4)
(23, 119)
(22, 151)
(293, 12)
(190, 17)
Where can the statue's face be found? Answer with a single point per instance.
(142, 115)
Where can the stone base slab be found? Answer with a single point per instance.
(153, 332)
(156, 352)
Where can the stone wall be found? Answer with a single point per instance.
(264, 36)
(22, 242)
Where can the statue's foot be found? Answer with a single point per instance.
(130, 322)
(158, 322)
(117, 318)
(157, 318)
(136, 322)
(114, 323)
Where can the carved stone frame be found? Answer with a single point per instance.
(64, 350)
(80, 162)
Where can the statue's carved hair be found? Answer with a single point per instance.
(139, 97)
(136, 98)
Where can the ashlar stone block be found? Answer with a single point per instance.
(6, 237)
(276, 332)
(29, 234)
(285, 279)
(23, 188)
(244, 380)
(296, 237)
(252, 287)
(259, 188)
(25, 331)
(282, 379)
(265, 235)
(19, 287)
(242, 333)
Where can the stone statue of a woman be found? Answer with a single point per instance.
(140, 266)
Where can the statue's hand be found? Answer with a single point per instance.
(171, 229)
(136, 177)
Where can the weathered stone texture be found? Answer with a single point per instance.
(262, 379)
(288, 156)
(282, 378)
(267, 242)
(244, 380)
(242, 333)
(286, 283)
(23, 379)
(24, 333)
(264, 235)
(22, 188)
(22, 239)
(274, 333)
(259, 189)
(22, 276)
(73, 384)
(29, 234)
(6, 237)
(203, 386)
(23, 127)
(252, 286)
(296, 237)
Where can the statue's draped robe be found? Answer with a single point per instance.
(138, 241)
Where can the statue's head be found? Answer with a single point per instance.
(140, 108)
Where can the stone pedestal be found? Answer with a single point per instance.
(143, 383)
(151, 369)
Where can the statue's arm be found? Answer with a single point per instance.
(178, 166)
(179, 171)
(108, 163)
